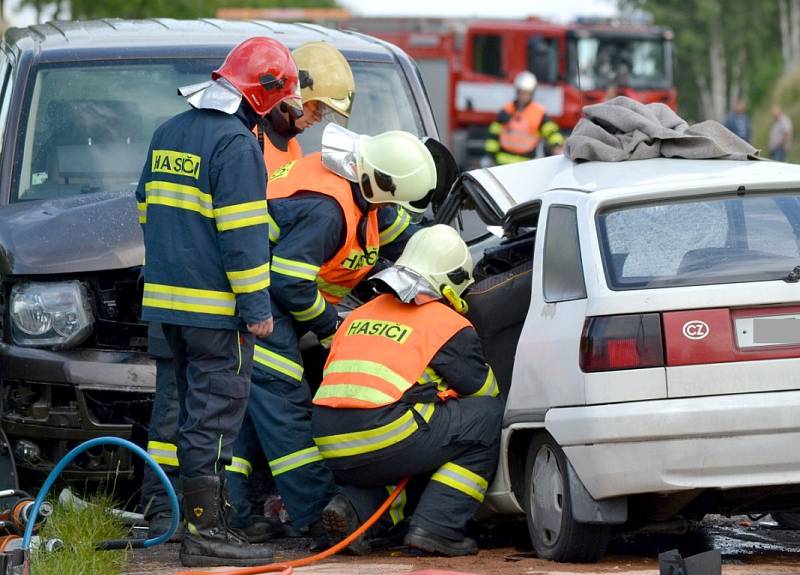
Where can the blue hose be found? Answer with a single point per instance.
(116, 544)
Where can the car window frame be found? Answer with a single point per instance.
(580, 294)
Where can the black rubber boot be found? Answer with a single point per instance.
(208, 541)
(436, 544)
(340, 520)
(159, 523)
(259, 529)
(319, 537)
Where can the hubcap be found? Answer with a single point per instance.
(547, 496)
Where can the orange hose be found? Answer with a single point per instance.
(287, 568)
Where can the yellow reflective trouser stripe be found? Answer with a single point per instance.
(189, 299)
(360, 442)
(179, 196)
(295, 460)
(397, 509)
(489, 386)
(372, 368)
(163, 453)
(294, 268)
(462, 479)
(495, 128)
(142, 212)
(399, 225)
(241, 215)
(240, 465)
(274, 229)
(247, 281)
(277, 362)
(332, 289)
(315, 310)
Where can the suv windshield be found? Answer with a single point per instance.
(88, 126)
(709, 241)
(637, 63)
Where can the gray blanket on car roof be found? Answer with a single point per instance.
(623, 129)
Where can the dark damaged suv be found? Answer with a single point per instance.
(79, 102)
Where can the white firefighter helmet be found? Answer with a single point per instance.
(435, 263)
(395, 167)
(525, 82)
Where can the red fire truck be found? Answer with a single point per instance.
(576, 64)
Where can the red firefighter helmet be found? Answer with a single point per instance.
(262, 69)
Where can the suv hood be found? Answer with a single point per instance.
(91, 232)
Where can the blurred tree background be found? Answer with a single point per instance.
(84, 9)
(730, 49)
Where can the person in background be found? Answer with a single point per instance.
(738, 122)
(521, 126)
(780, 135)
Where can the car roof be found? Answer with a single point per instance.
(113, 33)
(525, 181)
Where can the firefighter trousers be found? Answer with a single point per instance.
(452, 460)
(162, 441)
(212, 375)
(278, 427)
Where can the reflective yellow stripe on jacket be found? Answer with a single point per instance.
(399, 225)
(189, 299)
(294, 268)
(174, 195)
(360, 442)
(241, 215)
(247, 281)
(315, 310)
(489, 387)
(335, 290)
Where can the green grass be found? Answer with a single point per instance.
(80, 530)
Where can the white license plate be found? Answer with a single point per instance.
(768, 331)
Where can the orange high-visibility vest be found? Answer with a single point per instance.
(520, 134)
(382, 349)
(350, 264)
(275, 158)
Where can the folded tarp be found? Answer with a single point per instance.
(623, 129)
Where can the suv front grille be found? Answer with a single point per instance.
(117, 308)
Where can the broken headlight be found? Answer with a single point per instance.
(50, 314)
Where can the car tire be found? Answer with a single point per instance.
(554, 533)
(787, 520)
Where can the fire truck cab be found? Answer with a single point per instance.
(576, 64)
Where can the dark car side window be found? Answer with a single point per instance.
(487, 54)
(563, 270)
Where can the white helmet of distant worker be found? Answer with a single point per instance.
(394, 167)
(525, 82)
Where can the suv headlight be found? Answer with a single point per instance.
(50, 314)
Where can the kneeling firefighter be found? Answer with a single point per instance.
(407, 392)
(330, 215)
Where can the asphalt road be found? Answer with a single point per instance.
(747, 547)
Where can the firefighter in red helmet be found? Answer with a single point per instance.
(203, 210)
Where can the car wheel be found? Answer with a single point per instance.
(554, 533)
(787, 520)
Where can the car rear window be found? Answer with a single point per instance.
(87, 126)
(700, 242)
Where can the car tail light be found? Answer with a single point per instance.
(622, 342)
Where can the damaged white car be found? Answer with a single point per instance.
(643, 320)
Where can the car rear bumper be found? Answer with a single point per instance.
(725, 442)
